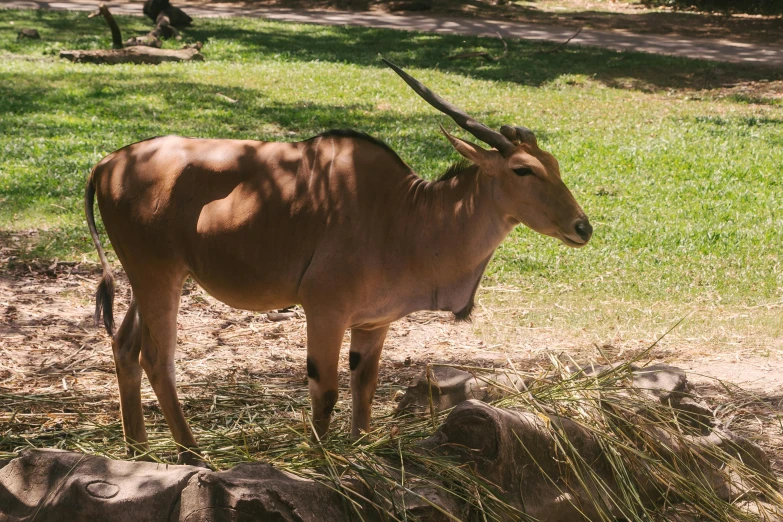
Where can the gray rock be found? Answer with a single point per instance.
(696, 414)
(661, 381)
(664, 382)
(258, 492)
(55, 485)
(522, 453)
(431, 504)
(446, 387)
(515, 451)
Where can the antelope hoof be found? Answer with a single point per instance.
(358, 435)
(192, 457)
(138, 451)
(321, 429)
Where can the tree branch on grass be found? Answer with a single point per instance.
(561, 44)
(136, 54)
(141, 49)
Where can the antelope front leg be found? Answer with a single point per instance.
(364, 357)
(324, 339)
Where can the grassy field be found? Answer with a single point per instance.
(680, 174)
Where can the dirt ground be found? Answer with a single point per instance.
(608, 15)
(49, 345)
(48, 340)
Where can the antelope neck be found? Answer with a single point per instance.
(460, 227)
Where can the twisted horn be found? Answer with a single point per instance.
(480, 131)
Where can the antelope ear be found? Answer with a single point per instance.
(470, 151)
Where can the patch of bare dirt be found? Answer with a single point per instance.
(48, 340)
(759, 92)
(631, 17)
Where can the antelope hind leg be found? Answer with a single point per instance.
(159, 309)
(126, 346)
(364, 358)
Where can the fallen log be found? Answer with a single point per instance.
(164, 29)
(136, 54)
(525, 453)
(139, 50)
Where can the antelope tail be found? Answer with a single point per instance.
(104, 296)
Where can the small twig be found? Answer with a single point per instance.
(429, 387)
(230, 100)
(74, 354)
(480, 54)
(562, 44)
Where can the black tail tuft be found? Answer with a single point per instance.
(104, 301)
(465, 315)
(104, 297)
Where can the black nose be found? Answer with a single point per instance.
(584, 229)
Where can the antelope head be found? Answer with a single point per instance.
(527, 184)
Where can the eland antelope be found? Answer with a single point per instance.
(338, 223)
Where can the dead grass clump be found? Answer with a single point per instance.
(651, 449)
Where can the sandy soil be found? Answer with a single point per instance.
(47, 335)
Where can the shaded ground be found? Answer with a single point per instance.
(731, 47)
(629, 17)
(57, 375)
(593, 14)
(49, 341)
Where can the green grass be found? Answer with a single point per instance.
(683, 186)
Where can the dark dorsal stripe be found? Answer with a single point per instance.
(350, 133)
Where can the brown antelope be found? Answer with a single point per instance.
(337, 223)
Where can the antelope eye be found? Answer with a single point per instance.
(523, 171)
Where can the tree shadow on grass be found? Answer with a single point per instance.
(110, 111)
(246, 40)
(527, 63)
(108, 114)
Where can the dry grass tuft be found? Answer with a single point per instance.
(247, 421)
